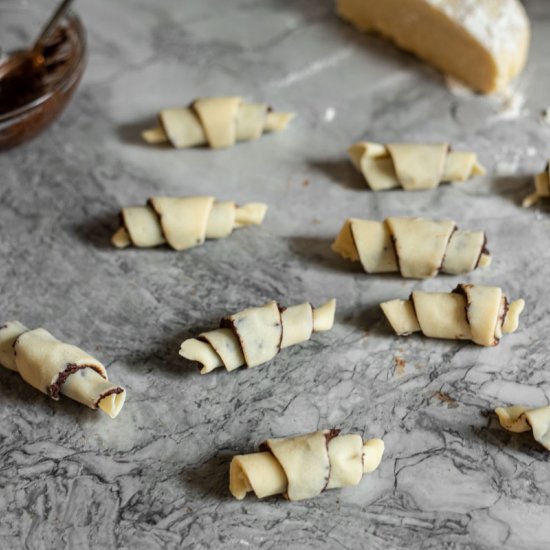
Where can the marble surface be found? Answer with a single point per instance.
(157, 476)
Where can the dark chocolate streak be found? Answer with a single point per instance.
(506, 308)
(393, 241)
(55, 388)
(446, 247)
(123, 223)
(461, 289)
(106, 394)
(151, 204)
(332, 433)
(282, 329)
(484, 250)
(355, 244)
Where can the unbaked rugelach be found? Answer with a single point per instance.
(183, 222)
(542, 188)
(55, 368)
(470, 312)
(257, 334)
(304, 466)
(417, 248)
(523, 419)
(412, 166)
(217, 122)
(483, 43)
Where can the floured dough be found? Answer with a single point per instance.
(183, 222)
(257, 334)
(416, 247)
(523, 419)
(304, 466)
(217, 122)
(412, 166)
(54, 368)
(542, 188)
(483, 43)
(471, 312)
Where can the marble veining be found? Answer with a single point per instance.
(156, 477)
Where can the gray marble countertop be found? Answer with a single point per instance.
(157, 476)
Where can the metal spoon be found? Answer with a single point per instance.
(16, 61)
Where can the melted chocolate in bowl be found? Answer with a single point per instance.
(33, 96)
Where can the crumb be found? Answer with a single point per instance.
(418, 366)
(316, 221)
(306, 183)
(446, 398)
(400, 365)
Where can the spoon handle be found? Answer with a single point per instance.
(52, 23)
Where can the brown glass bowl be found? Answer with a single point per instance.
(19, 27)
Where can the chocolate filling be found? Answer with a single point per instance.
(505, 311)
(106, 394)
(445, 253)
(484, 250)
(332, 433)
(461, 289)
(397, 260)
(55, 388)
(31, 80)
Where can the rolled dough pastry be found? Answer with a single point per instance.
(183, 222)
(483, 43)
(54, 368)
(522, 419)
(257, 334)
(216, 122)
(416, 247)
(304, 466)
(470, 312)
(412, 166)
(542, 188)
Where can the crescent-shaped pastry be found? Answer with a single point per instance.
(256, 335)
(55, 368)
(217, 122)
(483, 43)
(470, 312)
(183, 222)
(416, 247)
(412, 166)
(542, 188)
(304, 466)
(523, 419)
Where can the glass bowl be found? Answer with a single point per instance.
(19, 27)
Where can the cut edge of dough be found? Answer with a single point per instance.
(277, 121)
(511, 321)
(512, 418)
(358, 150)
(121, 238)
(252, 213)
(154, 136)
(194, 349)
(323, 316)
(112, 403)
(401, 316)
(373, 449)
